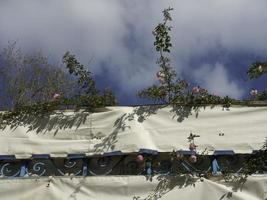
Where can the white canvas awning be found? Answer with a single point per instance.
(130, 188)
(129, 129)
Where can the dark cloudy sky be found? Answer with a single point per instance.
(214, 41)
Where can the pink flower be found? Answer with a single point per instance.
(192, 146)
(56, 96)
(260, 69)
(160, 74)
(192, 159)
(195, 90)
(253, 92)
(162, 80)
(161, 77)
(140, 158)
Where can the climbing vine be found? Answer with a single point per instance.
(170, 89)
(257, 70)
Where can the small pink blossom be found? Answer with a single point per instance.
(260, 69)
(192, 159)
(56, 96)
(162, 80)
(161, 76)
(140, 158)
(253, 92)
(195, 90)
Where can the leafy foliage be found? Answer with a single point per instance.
(257, 69)
(89, 96)
(172, 90)
(254, 164)
(256, 161)
(28, 79)
(37, 88)
(85, 80)
(262, 96)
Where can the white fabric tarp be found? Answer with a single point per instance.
(131, 187)
(129, 129)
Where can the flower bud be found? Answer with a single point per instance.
(260, 69)
(140, 158)
(192, 159)
(195, 90)
(253, 92)
(56, 96)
